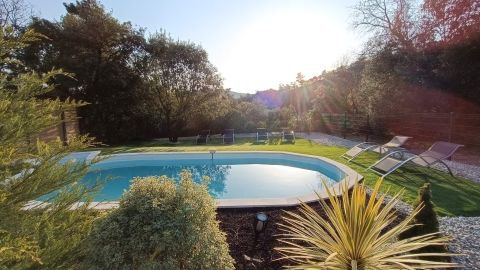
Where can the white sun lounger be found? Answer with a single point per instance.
(393, 145)
(437, 153)
(228, 136)
(262, 134)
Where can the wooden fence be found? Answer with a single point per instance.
(453, 127)
(69, 127)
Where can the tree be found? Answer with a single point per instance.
(337, 90)
(357, 233)
(389, 20)
(14, 13)
(449, 22)
(160, 224)
(180, 83)
(425, 221)
(49, 234)
(103, 54)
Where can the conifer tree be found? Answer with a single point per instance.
(49, 234)
(426, 220)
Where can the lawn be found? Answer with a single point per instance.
(452, 196)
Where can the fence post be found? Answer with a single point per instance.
(63, 129)
(345, 125)
(450, 130)
(367, 126)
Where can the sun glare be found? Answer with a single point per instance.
(272, 49)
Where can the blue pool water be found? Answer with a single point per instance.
(231, 176)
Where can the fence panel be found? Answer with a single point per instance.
(459, 128)
(69, 127)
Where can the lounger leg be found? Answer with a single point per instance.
(448, 168)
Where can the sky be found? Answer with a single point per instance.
(255, 44)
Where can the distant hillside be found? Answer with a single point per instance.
(237, 95)
(271, 98)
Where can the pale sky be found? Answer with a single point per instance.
(255, 44)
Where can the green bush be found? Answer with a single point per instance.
(426, 221)
(160, 225)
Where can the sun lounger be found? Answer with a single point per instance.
(203, 136)
(288, 136)
(393, 145)
(437, 153)
(228, 136)
(262, 134)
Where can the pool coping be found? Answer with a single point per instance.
(351, 177)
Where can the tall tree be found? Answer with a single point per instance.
(14, 13)
(449, 22)
(180, 84)
(102, 53)
(389, 20)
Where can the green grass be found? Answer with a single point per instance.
(452, 196)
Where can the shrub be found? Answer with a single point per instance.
(426, 220)
(160, 225)
(354, 235)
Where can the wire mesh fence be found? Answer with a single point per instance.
(453, 127)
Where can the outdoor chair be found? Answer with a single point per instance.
(262, 134)
(203, 136)
(393, 145)
(288, 136)
(437, 153)
(228, 136)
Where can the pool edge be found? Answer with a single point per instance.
(351, 176)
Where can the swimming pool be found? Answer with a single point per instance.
(237, 179)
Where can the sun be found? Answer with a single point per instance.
(275, 47)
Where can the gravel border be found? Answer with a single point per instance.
(465, 233)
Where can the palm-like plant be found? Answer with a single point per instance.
(357, 233)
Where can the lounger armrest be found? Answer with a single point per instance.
(365, 143)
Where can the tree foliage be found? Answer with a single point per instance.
(14, 13)
(102, 53)
(420, 57)
(180, 84)
(160, 224)
(48, 235)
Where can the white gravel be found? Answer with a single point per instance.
(468, 171)
(326, 139)
(465, 231)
